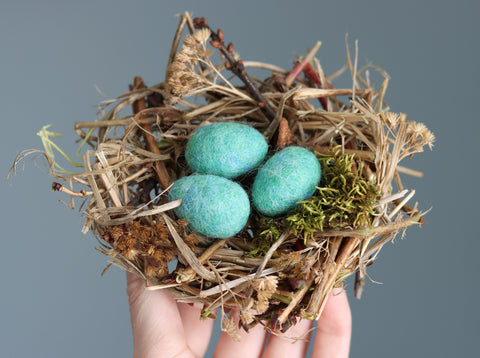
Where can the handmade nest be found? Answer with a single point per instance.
(276, 269)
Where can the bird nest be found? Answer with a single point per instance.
(277, 269)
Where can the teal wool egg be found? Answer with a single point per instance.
(213, 206)
(180, 188)
(289, 176)
(226, 149)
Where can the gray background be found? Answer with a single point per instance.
(53, 302)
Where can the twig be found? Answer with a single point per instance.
(262, 266)
(309, 71)
(319, 92)
(82, 193)
(299, 67)
(237, 67)
(159, 166)
(207, 254)
(113, 123)
(401, 204)
(273, 126)
(362, 154)
(234, 283)
(306, 67)
(143, 195)
(379, 230)
(408, 171)
(189, 256)
(296, 299)
(271, 251)
(359, 283)
(348, 244)
(325, 265)
(409, 210)
(391, 198)
(265, 66)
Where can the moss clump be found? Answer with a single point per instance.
(267, 231)
(345, 199)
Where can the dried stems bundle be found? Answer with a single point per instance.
(277, 269)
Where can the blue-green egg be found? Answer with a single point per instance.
(180, 188)
(289, 176)
(226, 149)
(213, 206)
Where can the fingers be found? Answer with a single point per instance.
(197, 331)
(156, 323)
(250, 345)
(288, 345)
(162, 329)
(334, 328)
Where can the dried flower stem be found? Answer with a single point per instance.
(177, 37)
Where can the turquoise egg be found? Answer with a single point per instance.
(289, 176)
(226, 149)
(213, 206)
(180, 188)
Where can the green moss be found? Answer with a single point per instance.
(282, 298)
(267, 231)
(207, 314)
(345, 199)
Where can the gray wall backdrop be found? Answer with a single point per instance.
(53, 302)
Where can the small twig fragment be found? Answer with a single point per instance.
(82, 193)
(299, 67)
(284, 134)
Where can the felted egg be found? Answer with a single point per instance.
(289, 176)
(213, 206)
(180, 188)
(226, 149)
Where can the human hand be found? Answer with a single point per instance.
(162, 327)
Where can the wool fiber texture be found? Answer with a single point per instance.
(181, 187)
(289, 176)
(213, 206)
(226, 149)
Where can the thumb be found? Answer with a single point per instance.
(156, 323)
